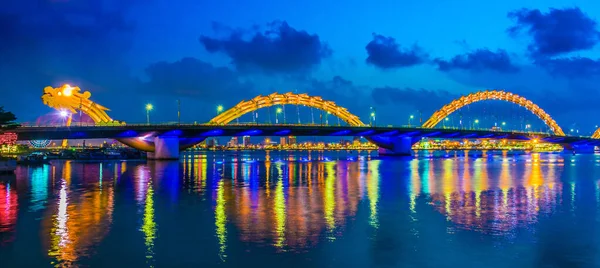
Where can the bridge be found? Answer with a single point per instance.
(165, 141)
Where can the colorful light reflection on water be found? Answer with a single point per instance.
(322, 209)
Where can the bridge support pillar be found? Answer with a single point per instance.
(165, 148)
(394, 146)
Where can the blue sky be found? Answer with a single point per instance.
(402, 57)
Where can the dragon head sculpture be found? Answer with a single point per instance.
(72, 99)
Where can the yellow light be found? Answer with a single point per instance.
(373, 114)
(535, 140)
(220, 108)
(278, 110)
(68, 91)
(149, 107)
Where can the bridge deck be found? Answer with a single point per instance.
(204, 130)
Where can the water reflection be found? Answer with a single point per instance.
(149, 226)
(8, 211)
(232, 206)
(295, 204)
(81, 215)
(472, 200)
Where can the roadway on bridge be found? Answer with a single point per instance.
(207, 130)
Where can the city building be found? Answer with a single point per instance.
(211, 142)
(292, 140)
(356, 141)
(246, 141)
(283, 141)
(233, 142)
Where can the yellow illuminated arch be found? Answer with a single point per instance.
(596, 134)
(258, 102)
(442, 113)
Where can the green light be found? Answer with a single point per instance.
(278, 110)
(446, 119)
(412, 116)
(476, 121)
(372, 114)
(149, 107)
(503, 123)
(220, 108)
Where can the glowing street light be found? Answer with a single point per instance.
(149, 108)
(372, 118)
(476, 122)
(410, 118)
(277, 112)
(445, 120)
(219, 109)
(63, 113)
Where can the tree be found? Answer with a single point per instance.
(6, 118)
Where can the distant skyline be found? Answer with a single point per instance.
(401, 57)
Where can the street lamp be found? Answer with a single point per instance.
(373, 118)
(410, 119)
(149, 108)
(178, 112)
(476, 122)
(219, 109)
(445, 120)
(277, 112)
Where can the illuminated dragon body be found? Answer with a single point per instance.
(72, 99)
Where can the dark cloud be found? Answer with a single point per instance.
(52, 42)
(423, 99)
(281, 48)
(573, 67)
(557, 32)
(190, 77)
(385, 53)
(479, 60)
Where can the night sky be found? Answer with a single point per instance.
(401, 57)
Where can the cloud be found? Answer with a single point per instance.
(280, 49)
(557, 32)
(385, 53)
(479, 60)
(190, 77)
(573, 67)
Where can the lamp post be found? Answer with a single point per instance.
(476, 123)
(445, 119)
(410, 118)
(179, 112)
(277, 112)
(149, 108)
(372, 119)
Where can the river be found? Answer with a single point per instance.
(301, 209)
